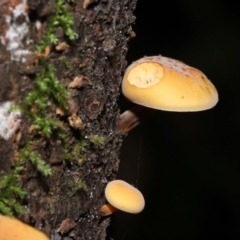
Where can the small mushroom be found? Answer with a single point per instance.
(11, 228)
(122, 196)
(166, 84)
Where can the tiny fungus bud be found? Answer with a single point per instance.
(122, 196)
(11, 228)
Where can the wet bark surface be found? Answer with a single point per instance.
(98, 57)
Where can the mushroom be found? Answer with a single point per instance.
(122, 196)
(11, 228)
(163, 83)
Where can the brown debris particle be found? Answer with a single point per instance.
(60, 112)
(132, 35)
(75, 121)
(56, 155)
(31, 129)
(72, 107)
(66, 226)
(62, 46)
(80, 81)
(86, 3)
(17, 136)
(45, 54)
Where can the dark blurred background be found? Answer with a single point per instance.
(187, 165)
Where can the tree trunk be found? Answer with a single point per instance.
(74, 133)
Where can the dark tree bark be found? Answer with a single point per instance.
(96, 60)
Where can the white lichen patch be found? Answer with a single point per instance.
(16, 31)
(9, 120)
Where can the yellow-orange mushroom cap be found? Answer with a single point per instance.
(13, 229)
(167, 84)
(124, 197)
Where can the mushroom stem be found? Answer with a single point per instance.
(131, 118)
(107, 209)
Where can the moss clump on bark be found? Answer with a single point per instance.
(47, 90)
(97, 141)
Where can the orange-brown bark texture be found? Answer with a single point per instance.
(97, 57)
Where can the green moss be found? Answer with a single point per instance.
(47, 91)
(62, 18)
(79, 147)
(75, 186)
(64, 60)
(97, 141)
(48, 86)
(74, 154)
(11, 192)
(27, 153)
